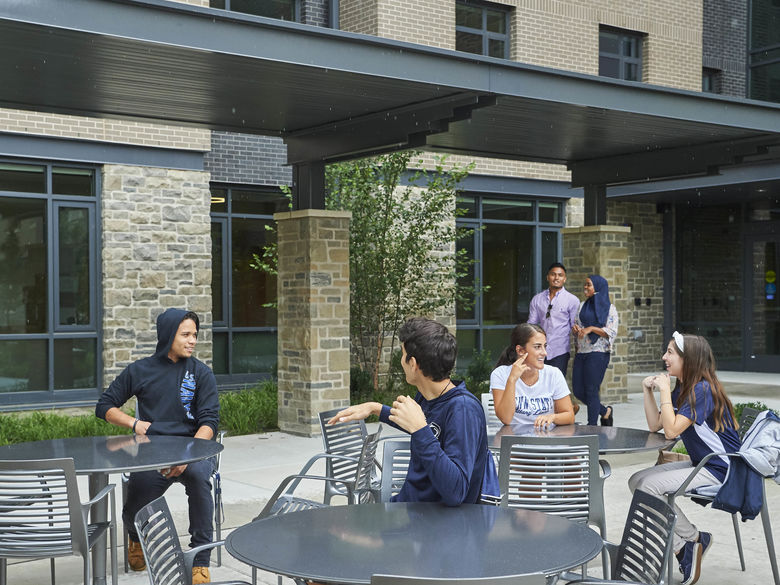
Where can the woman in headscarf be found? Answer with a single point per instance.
(595, 329)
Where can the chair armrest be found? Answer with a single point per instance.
(606, 469)
(281, 490)
(684, 486)
(189, 555)
(594, 581)
(101, 495)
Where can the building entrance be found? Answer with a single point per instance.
(763, 309)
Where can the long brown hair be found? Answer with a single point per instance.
(521, 335)
(698, 365)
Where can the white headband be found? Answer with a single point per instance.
(678, 339)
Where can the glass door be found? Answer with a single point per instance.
(763, 311)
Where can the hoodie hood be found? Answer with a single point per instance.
(167, 325)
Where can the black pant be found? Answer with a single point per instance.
(145, 486)
(560, 361)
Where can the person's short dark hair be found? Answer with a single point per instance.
(431, 344)
(194, 316)
(556, 265)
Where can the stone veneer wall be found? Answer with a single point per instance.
(313, 309)
(603, 250)
(645, 280)
(156, 253)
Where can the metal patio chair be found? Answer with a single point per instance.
(490, 410)
(341, 439)
(645, 550)
(166, 562)
(746, 420)
(357, 489)
(42, 516)
(562, 476)
(219, 511)
(395, 464)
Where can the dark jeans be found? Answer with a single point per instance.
(560, 361)
(145, 486)
(586, 377)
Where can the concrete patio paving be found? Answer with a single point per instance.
(253, 465)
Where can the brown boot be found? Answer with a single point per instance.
(200, 575)
(135, 556)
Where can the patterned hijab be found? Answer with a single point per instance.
(595, 311)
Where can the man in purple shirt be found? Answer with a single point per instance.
(555, 310)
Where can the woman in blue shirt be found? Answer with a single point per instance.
(700, 413)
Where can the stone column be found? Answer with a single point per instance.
(603, 250)
(313, 316)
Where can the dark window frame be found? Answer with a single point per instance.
(762, 56)
(225, 325)
(476, 222)
(486, 35)
(623, 37)
(54, 330)
(296, 4)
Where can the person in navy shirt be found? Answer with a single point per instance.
(450, 461)
(700, 413)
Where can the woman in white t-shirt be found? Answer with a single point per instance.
(525, 390)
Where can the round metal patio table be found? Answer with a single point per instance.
(612, 440)
(99, 456)
(348, 544)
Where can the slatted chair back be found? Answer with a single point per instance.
(366, 469)
(555, 475)
(165, 562)
(40, 510)
(746, 420)
(395, 464)
(646, 547)
(490, 410)
(398, 580)
(41, 515)
(340, 439)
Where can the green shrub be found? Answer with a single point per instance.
(39, 426)
(253, 410)
(361, 386)
(478, 372)
(739, 406)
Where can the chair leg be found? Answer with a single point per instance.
(738, 537)
(254, 576)
(53, 575)
(672, 559)
(770, 542)
(125, 535)
(3, 570)
(217, 482)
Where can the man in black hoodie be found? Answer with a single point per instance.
(176, 395)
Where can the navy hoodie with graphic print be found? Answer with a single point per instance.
(176, 397)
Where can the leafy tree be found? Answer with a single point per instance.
(403, 260)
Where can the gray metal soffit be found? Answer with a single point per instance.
(334, 95)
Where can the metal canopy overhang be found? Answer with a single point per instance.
(333, 95)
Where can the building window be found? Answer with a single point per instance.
(281, 9)
(482, 29)
(710, 80)
(513, 241)
(764, 55)
(244, 329)
(48, 283)
(620, 54)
